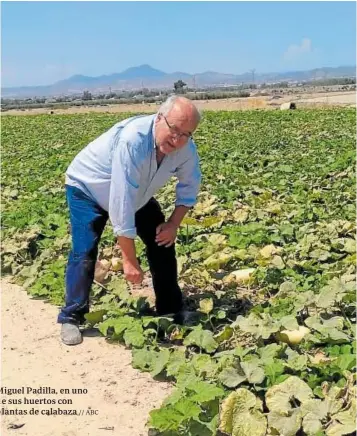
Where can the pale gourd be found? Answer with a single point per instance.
(238, 276)
(292, 337)
(117, 264)
(101, 270)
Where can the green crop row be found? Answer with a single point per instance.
(267, 258)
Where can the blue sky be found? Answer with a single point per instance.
(43, 42)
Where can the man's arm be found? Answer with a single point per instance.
(178, 215)
(189, 176)
(166, 232)
(122, 200)
(132, 270)
(189, 181)
(127, 246)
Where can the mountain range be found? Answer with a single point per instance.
(144, 76)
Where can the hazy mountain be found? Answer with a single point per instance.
(148, 77)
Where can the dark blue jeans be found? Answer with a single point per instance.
(88, 220)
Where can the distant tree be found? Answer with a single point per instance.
(280, 85)
(144, 91)
(179, 85)
(86, 95)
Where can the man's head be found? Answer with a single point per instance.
(176, 120)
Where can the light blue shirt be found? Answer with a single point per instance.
(119, 171)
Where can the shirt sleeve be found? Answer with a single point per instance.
(126, 165)
(189, 181)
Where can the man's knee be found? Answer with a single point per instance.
(149, 216)
(88, 258)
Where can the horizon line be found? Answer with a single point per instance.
(191, 74)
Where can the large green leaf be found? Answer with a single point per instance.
(119, 287)
(254, 372)
(95, 317)
(251, 422)
(349, 245)
(273, 368)
(204, 365)
(329, 329)
(201, 338)
(232, 376)
(206, 305)
(279, 397)
(344, 423)
(176, 361)
(134, 336)
(269, 351)
(287, 425)
(260, 326)
(289, 322)
(224, 335)
(142, 358)
(170, 417)
(118, 324)
(277, 262)
(241, 415)
(148, 359)
(219, 260)
(203, 391)
(296, 361)
(159, 361)
(333, 292)
(317, 412)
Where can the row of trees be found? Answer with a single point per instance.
(151, 96)
(180, 86)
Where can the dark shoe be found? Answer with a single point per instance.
(186, 317)
(70, 334)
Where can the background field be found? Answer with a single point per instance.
(308, 98)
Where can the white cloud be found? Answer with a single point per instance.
(295, 51)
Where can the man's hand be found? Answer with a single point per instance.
(166, 234)
(133, 272)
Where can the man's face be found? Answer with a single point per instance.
(173, 131)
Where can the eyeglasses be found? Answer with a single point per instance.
(175, 132)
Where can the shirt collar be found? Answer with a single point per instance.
(153, 131)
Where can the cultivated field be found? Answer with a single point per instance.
(303, 100)
(267, 258)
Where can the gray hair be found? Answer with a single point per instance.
(167, 105)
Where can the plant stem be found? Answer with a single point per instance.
(210, 321)
(346, 318)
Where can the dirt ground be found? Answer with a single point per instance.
(332, 98)
(260, 102)
(33, 356)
